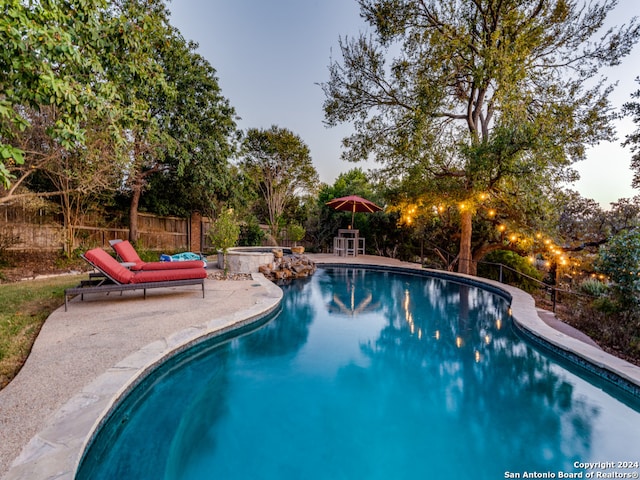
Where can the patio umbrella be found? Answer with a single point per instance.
(353, 204)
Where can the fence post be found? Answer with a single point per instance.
(195, 231)
(500, 273)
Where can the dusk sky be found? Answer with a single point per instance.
(270, 57)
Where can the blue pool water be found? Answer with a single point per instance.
(370, 375)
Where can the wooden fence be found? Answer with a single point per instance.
(24, 231)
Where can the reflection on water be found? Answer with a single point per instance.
(368, 375)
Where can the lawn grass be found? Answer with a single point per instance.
(25, 307)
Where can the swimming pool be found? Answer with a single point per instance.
(370, 374)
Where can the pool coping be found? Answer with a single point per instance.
(57, 450)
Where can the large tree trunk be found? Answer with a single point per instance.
(465, 262)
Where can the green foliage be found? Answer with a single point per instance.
(619, 260)
(74, 57)
(295, 232)
(352, 182)
(632, 109)
(605, 305)
(593, 287)
(515, 262)
(326, 221)
(251, 235)
(225, 231)
(476, 100)
(188, 168)
(278, 165)
(147, 255)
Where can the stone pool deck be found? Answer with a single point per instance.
(87, 357)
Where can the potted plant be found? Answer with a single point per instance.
(296, 233)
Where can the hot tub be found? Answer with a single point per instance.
(248, 259)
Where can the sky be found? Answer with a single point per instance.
(271, 55)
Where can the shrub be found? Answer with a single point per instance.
(521, 265)
(224, 233)
(604, 305)
(7, 239)
(295, 232)
(620, 261)
(251, 235)
(593, 287)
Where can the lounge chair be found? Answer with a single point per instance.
(117, 278)
(132, 260)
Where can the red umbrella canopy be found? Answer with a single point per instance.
(353, 204)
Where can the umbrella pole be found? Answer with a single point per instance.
(353, 213)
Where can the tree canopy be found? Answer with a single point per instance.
(278, 164)
(185, 151)
(632, 109)
(102, 96)
(70, 57)
(467, 102)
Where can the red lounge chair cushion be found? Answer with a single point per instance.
(128, 254)
(168, 275)
(109, 265)
(148, 266)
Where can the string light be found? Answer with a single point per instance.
(525, 242)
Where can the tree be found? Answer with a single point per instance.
(488, 100)
(326, 221)
(185, 155)
(77, 179)
(278, 163)
(633, 140)
(583, 224)
(73, 88)
(69, 56)
(224, 234)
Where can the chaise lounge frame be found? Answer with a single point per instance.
(103, 282)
